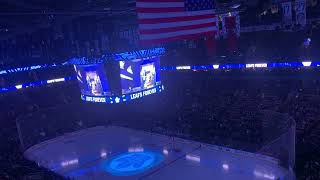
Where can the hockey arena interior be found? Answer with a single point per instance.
(160, 90)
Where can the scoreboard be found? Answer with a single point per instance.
(137, 78)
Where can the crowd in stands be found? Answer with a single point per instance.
(13, 164)
(254, 47)
(12, 79)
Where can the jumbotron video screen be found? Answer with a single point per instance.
(92, 80)
(138, 75)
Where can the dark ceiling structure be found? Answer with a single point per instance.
(18, 17)
(34, 31)
(26, 16)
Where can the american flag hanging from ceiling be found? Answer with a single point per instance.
(162, 21)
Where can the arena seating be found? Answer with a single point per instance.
(226, 108)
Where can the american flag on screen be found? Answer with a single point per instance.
(163, 21)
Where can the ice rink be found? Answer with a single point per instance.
(120, 153)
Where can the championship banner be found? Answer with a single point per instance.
(230, 21)
(287, 13)
(238, 27)
(301, 17)
(223, 31)
(232, 37)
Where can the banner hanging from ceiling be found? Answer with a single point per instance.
(301, 17)
(230, 23)
(287, 13)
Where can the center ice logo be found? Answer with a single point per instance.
(132, 163)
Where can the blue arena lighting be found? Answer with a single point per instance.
(168, 68)
(243, 66)
(123, 98)
(138, 54)
(86, 60)
(35, 84)
(79, 61)
(202, 67)
(315, 64)
(123, 56)
(285, 64)
(127, 97)
(232, 66)
(27, 68)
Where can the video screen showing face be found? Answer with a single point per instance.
(94, 83)
(148, 76)
(92, 80)
(139, 74)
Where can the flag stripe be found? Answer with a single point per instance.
(160, 10)
(173, 14)
(159, 4)
(165, 40)
(176, 33)
(172, 29)
(168, 20)
(174, 19)
(176, 24)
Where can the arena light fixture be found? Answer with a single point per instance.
(19, 86)
(215, 66)
(225, 166)
(165, 151)
(306, 63)
(103, 154)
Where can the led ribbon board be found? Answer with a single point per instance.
(243, 66)
(158, 89)
(35, 84)
(123, 98)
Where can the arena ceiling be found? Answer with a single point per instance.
(23, 16)
(26, 16)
